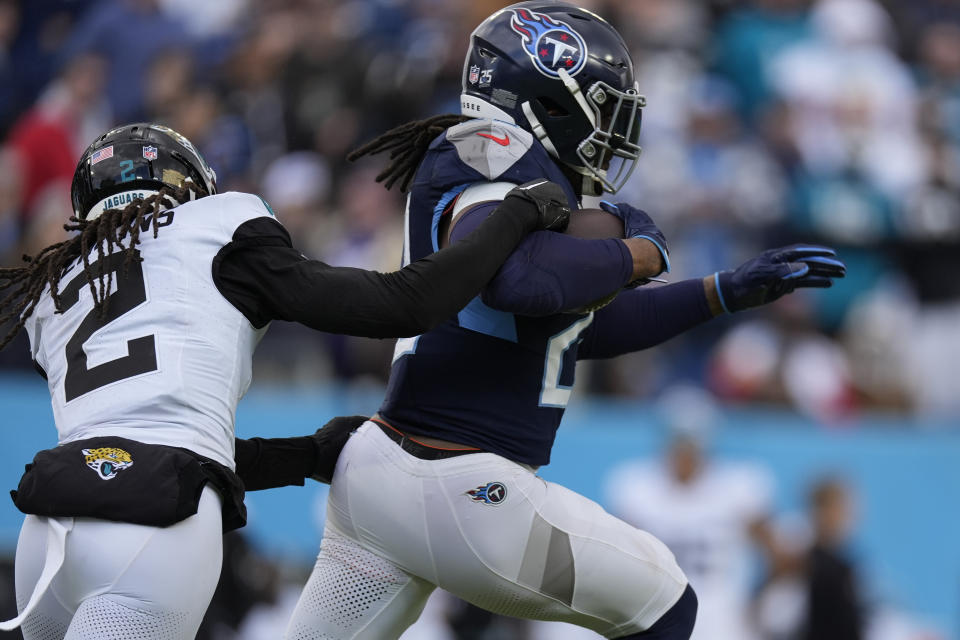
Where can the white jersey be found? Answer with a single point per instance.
(707, 526)
(172, 357)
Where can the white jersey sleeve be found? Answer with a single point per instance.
(171, 358)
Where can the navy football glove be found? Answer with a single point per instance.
(637, 224)
(775, 273)
(329, 440)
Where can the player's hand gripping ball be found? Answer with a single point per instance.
(637, 223)
(595, 224)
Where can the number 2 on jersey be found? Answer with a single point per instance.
(141, 352)
(552, 393)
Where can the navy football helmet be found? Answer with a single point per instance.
(564, 74)
(135, 161)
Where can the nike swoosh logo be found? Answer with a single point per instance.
(503, 142)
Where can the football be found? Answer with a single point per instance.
(594, 224)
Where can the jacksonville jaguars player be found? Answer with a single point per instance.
(144, 323)
(439, 489)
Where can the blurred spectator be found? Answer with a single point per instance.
(854, 105)
(203, 19)
(939, 74)
(297, 186)
(371, 237)
(834, 611)
(9, 27)
(711, 513)
(819, 587)
(748, 40)
(11, 200)
(130, 34)
(47, 140)
(715, 173)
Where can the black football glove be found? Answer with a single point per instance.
(551, 202)
(329, 441)
(775, 273)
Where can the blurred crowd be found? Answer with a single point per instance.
(768, 122)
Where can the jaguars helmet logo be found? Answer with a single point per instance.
(107, 461)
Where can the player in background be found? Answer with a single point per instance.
(440, 489)
(713, 514)
(144, 323)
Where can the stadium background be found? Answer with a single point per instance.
(835, 121)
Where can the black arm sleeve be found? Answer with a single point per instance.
(267, 463)
(261, 274)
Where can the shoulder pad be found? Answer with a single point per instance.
(481, 192)
(490, 147)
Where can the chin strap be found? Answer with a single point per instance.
(574, 90)
(589, 186)
(539, 131)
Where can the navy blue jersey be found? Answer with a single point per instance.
(485, 378)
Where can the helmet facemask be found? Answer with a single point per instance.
(612, 118)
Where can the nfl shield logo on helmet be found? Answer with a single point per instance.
(551, 44)
(474, 74)
(149, 153)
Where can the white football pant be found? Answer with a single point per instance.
(122, 581)
(484, 528)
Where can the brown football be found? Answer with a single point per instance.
(594, 224)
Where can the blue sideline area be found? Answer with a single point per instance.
(906, 475)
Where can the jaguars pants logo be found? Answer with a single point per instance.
(491, 493)
(107, 461)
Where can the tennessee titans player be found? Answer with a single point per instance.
(440, 489)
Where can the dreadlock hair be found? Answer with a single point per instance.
(114, 230)
(407, 144)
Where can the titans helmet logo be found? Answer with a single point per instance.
(551, 44)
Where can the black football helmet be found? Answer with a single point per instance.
(564, 74)
(135, 161)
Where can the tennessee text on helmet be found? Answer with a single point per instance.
(135, 161)
(564, 74)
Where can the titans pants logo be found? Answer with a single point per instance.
(491, 493)
(551, 44)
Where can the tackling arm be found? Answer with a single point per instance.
(265, 278)
(549, 273)
(268, 463)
